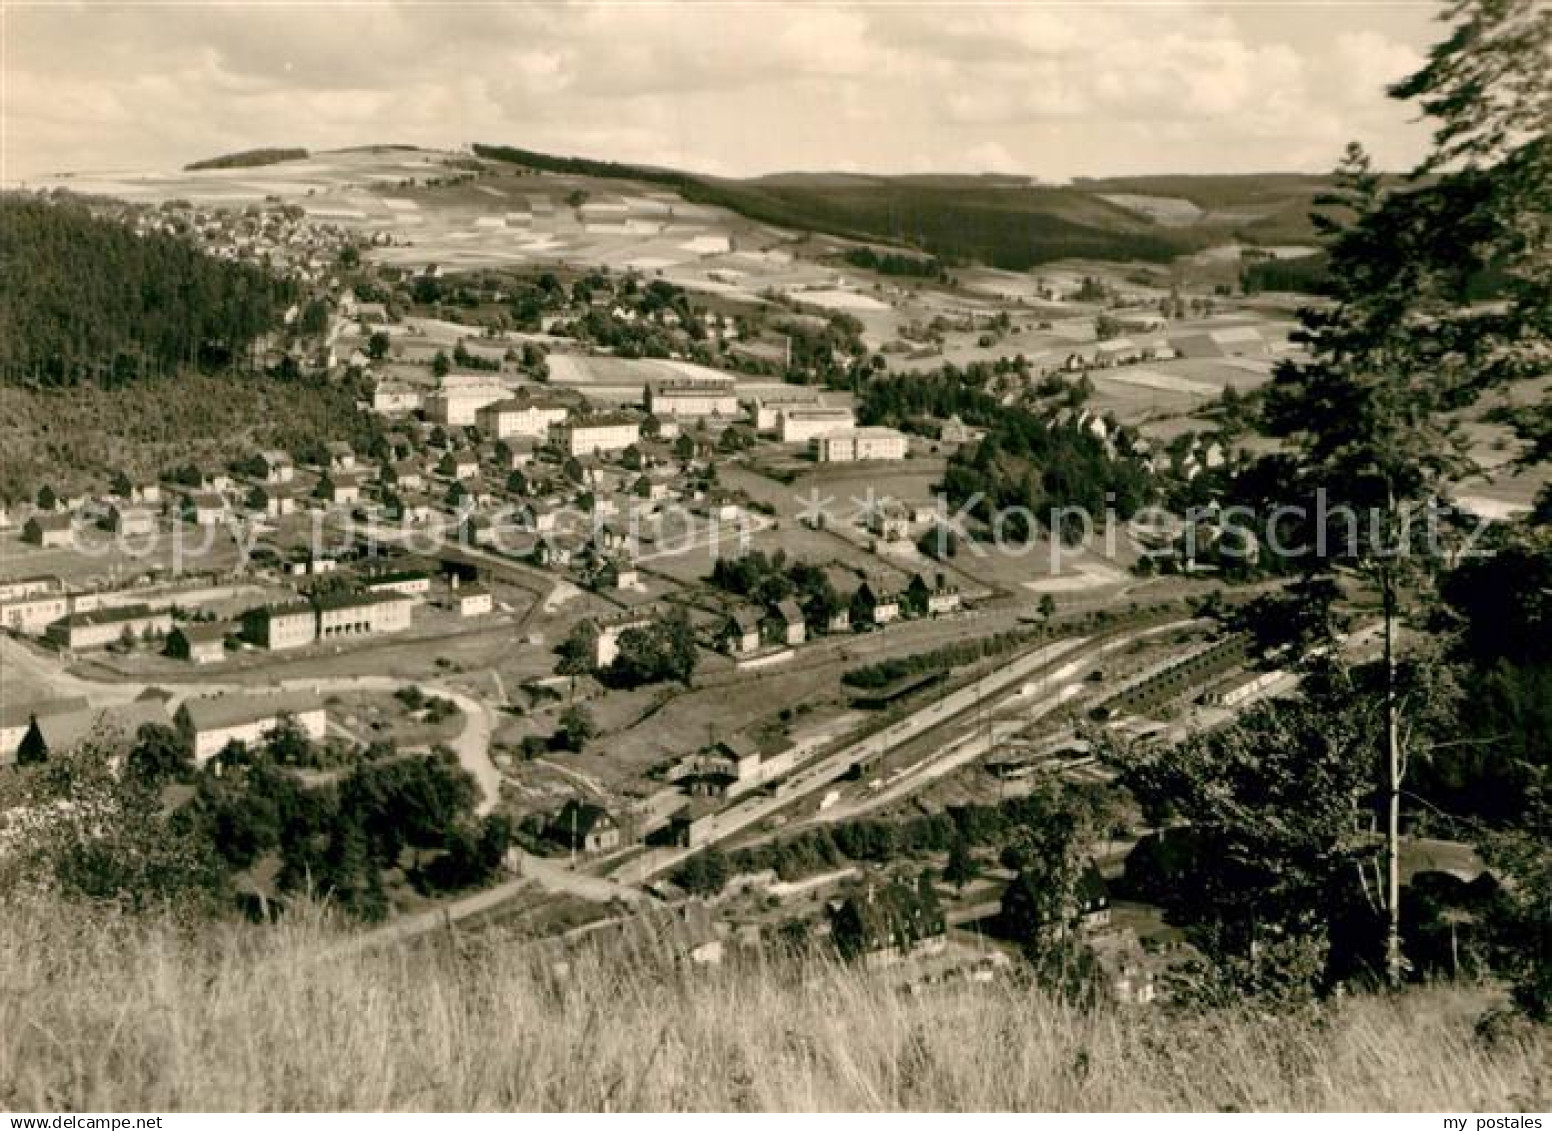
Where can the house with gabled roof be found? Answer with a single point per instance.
(211, 723)
(788, 622)
(585, 827)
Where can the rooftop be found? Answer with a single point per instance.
(217, 711)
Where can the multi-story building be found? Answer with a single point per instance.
(362, 614)
(30, 587)
(520, 416)
(101, 627)
(692, 397)
(585, 436)
(33, 613)
(459, 406)
(211, 723)
(800, 425)
(276, 627)
(858, 445)
(765, 409)
(394, 397)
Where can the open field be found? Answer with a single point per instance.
(143, 1016)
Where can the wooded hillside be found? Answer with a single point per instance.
(84, 299)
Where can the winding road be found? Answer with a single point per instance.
(472, 744)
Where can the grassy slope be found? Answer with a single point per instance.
(99, 1014)
(998, 220)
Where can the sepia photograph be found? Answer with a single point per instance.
(655, 556)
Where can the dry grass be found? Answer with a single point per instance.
(104, 1014)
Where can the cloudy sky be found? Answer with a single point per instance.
(1050, 89)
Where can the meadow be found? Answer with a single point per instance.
(101, 1012)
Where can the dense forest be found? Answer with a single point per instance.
(86, 300)
(248, 159)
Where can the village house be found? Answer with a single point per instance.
(273, 500)
(406, 475)
(890, 521)
(341, 488)
(340, 456)
(17, 718)
(130, 522)
(277, 627)
(788, 622)
(198, 642)
(210, 724)
(49, 530)
(859, 445)
(883, 926)
(459, 465)
(515, 452)
(931, 598)
(102, 627)
(204, 508)
(275, 467)
(473, 600)
(541, 518)
(694, 824)
(548, 551)
(740, 633)
(215, 480)
(606, 646)
(615, 573)
(55, 732)
(584, 827)
(873, 604)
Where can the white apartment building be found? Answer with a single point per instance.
(765, 409)
(800, 425)
(587, 436)
(213, 722)
(692, 397)
(393, 397)
(858, 445)
(520, 416)
(459, 406)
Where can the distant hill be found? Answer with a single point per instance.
(1002, 221)
(247, 159)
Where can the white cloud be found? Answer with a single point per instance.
(734, 88)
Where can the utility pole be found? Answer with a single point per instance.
(1394, 961)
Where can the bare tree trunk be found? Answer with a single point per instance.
(1394, 963)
